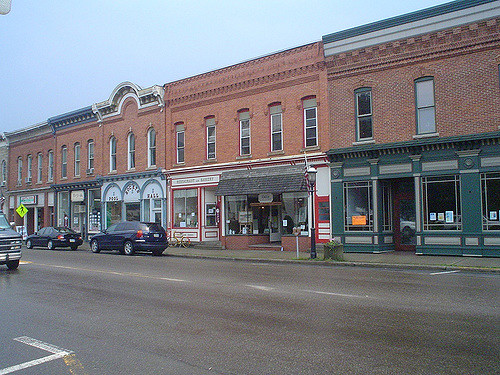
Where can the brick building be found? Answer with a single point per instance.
(415, 113)
(248, 122)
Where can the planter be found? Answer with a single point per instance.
(333, 251)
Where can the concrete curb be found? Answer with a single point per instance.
(425, 267)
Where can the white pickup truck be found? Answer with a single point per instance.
(10, 244)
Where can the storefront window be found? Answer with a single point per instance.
(186, 208)
(294, 212)
(442, 203)
(63, 209)
(234, 205)
(113, 212)
(387, 207)
(94, 210)
(133, 211)
(490, 186)
(358, 208)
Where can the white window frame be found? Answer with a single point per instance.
(363, 116)
(50, 166)
(90, 155)
(39, 167)
(151, 147)
(276, 113)
(4, 172)
(64, 162)
(112, 154)
(310, 105)
(425, 105)
(211, 139)
(131, 151)
(19, 170)
(29, 165)
(180, 147)
(77, 159)
(244, 117)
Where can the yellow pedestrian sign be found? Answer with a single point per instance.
(22, 210)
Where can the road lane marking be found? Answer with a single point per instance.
(57, 354)
(133, 274)
(444, 272)
(261, 287)
(335, 294)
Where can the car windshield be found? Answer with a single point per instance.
(64, 230)
(4, 224)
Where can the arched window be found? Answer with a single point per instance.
(29, 165)
(39, 167)
(364, 126)
(151, 148)
(19, 170)
(131, 151)
(112, 154)
(50, 165)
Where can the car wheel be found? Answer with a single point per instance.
(157, 253)
(128, 248)
(74, 248)
(50, 245)
(13, 264)
(29, 244)
(94, 246)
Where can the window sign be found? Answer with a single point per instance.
(493, 215)
(449, 216)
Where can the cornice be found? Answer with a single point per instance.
(132, 176)
(70, 119)
(442, 44)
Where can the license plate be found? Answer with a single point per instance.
(156, 235)
(72, 240)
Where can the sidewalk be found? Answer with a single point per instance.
(406, 260)
(392, 259)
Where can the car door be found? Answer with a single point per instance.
(120, 234)
(37, 239)
(46, 236)
(105, 239)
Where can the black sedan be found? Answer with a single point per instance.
(53, 237)
(130, 236)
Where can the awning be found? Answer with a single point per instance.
(273, 180)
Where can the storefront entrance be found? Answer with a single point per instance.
(404, 214)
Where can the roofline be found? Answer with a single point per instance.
(419, 15)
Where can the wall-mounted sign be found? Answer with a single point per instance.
(265, 198)
(195, 180)
(77, 196)
(29, 199)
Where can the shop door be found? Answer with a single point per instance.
(274, 224)
(404, 214)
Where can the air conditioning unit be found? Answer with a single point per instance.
(28, 180)
(90, 170)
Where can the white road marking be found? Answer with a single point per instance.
(444, 272)
(335, 294)
(261, 287)
(57, 354)
(133, 274)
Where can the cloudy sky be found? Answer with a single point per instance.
(61, 55)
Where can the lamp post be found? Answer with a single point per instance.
(311, 181)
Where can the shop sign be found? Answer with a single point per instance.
(77, 196)
(29, 199)
(265, 198)
(195, 181)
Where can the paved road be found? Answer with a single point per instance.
(112, 314)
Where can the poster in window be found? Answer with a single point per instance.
(359, 220)
(493, 216)
(432, 216)
(449, 217)
(441, 216)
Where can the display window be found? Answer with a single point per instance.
(441, 199)
(94, 197)
(185, 208)
(358, 209)
(113, 212)
(490, 191)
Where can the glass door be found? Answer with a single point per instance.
(274, 223)
(404, 215)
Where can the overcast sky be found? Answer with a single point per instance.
(62, 55)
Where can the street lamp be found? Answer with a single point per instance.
(311, 180)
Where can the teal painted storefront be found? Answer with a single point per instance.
(427, 196)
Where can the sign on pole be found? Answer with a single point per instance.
(22, 210)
